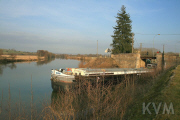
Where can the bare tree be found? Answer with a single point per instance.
(13, 56)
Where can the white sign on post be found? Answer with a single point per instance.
(107, 50)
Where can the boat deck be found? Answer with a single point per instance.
(107, 71)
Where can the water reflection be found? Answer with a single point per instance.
(1, 70)
(5, 65)
(12, 65)
(39, 63)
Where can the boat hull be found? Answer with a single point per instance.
(62, 86)
(62, 79)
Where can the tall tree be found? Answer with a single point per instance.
(122, 38)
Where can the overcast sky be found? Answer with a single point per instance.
(74, 26)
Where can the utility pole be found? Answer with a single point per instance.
(153, 43)
(132, 42)
(97, 48)
(140, 47)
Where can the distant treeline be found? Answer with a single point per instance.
(15, 52)
(62, 56)
(87, 55)
(66, 56)
(46, 54)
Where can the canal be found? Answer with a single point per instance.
(15, 85)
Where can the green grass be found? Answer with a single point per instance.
(172, 94)
(164, 90)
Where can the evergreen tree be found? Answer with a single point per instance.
(122, 38)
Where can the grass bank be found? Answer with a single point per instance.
(165, 90)
(171, 94)
(99, 63)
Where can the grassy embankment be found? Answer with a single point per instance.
(99, 63)
(166, 90)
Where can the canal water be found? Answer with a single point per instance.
(15, 84)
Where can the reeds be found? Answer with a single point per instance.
(91, 101)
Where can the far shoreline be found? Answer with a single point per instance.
(20, 58)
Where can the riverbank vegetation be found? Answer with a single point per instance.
(80, 56)
(44, 53)
(164, 90)
(120, 100)
(11, 55)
